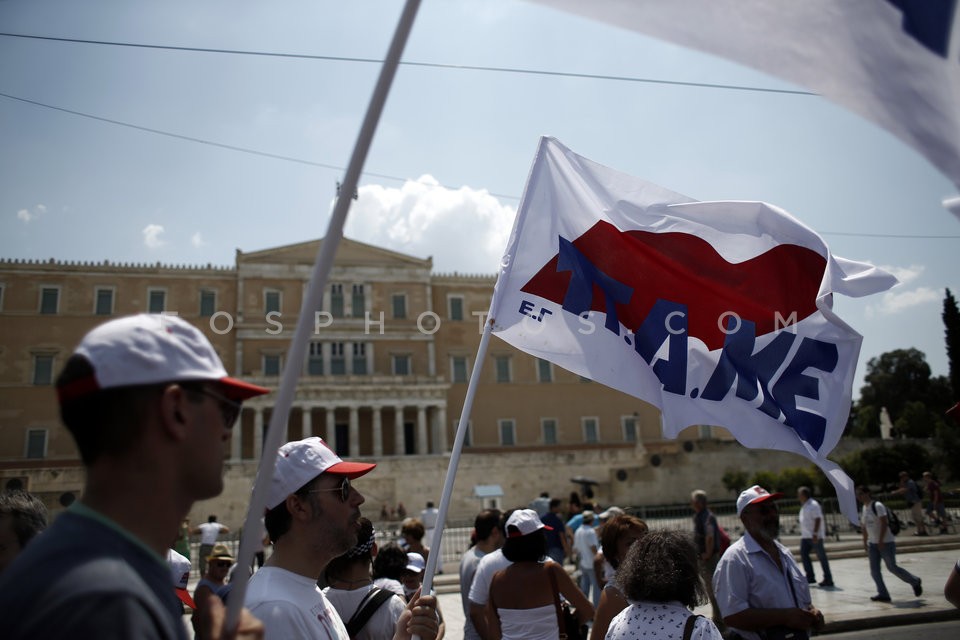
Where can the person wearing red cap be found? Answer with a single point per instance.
(313, 516)
(761, 590)
(150, 408)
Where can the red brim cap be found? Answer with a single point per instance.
(351, 469)
(240, 390)
(769, 496)
(185, 598)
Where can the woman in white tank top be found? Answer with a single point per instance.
(521, 601)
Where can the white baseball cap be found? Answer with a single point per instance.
(180, 573)
(754, 495)
(415, 562)
(151, 349)
(301, 461)
(525, 521)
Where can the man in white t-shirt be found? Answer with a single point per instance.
(586, 544)
(312, 517)
(209, 532)
(880, 543)
(812, 532)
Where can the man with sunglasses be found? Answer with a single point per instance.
(760, 588)
(313, 516)
(150, 408)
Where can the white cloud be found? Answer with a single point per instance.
(28, 216)
(896, 301)
(151, 236)
(905, 274)
(197, 240)
(465, 230)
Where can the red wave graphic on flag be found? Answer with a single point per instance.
(687, 270)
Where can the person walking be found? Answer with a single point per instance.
(912, 496)
(812, 532)
(880, 543)
(706, 536)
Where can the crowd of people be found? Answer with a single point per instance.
(150, 407)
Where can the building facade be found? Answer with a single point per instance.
(384, 376)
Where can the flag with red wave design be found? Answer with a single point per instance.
(718, 313)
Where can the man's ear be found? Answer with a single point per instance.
(298, 507)
(173, 411)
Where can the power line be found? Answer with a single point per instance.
(277, 156)
(434, 65)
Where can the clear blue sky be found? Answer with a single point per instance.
(453, 149)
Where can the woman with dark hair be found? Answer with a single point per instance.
(388, 567)
(660, 576)
(523, 597)
(617, 535)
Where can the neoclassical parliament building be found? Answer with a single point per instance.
(383, 378)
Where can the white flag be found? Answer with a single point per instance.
(718, 313)
(895, 62)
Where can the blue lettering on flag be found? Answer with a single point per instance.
(794, 383)
(584, 276)
(928, 22)
(666, 321)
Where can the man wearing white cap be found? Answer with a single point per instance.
(760, 589)
(312, 517)
(150, 408)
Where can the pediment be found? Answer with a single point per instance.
(349, 253)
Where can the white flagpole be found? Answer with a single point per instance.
(455, 458)
(250, 539)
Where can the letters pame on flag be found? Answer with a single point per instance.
(718, 313)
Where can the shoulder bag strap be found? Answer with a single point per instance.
(367, 607)
(688, 627)
(556, 603)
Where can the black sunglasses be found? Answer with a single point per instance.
(343, 488)
(229, 409)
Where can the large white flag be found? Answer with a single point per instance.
(895, 62)
(718, 313)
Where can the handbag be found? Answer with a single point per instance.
(567, 621)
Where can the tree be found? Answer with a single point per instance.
(880, 465)
(951, 322)
(735, 480)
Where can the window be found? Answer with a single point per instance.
(338, 363)
(456, 307)
(42, 369)
(503, 368)
(458, 369)
(49, 300)
(271, 365)
(399, 305)
(36, 443)
(336, 300)
(629, 428)
(271, 301)
(315, 359)
(549, 428)
(103, 301)
(357, 302)
(401, 365)
(208, 303)
(156, 300)
(508, 432)
(359, 359)
(591, 429)
(705, 431)
(544, 370)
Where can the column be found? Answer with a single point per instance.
(354, 432)
(257, 433)
(307, 421)
(236, 439)
(377, 432)
(398, 430)
(422, 443)
(331, 429)
(442, 431)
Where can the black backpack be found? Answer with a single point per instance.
(893, 522)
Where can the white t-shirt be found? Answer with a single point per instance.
(583, 540)
(659, 620)
(872, 522)
(489, 565)
(809, 513)
(292, 606)
(381, 624)
(209, 532)
(429, 518)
